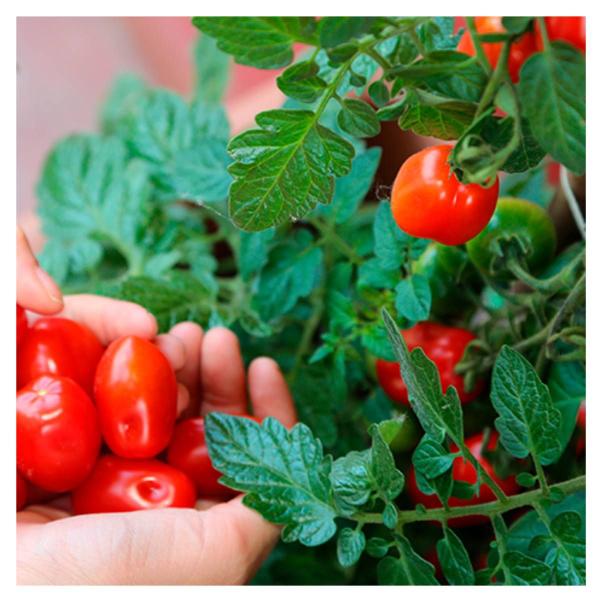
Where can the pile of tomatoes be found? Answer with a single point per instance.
(100, 423)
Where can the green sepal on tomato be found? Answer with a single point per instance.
(464, 472)
(57, 346)
(518, 231)
(443, 345)
(58, 438)
(120, 485)
(428, 200)
(188, 452)
(136, 398)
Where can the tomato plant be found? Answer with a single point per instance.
(57, 433)
(56, 346)
(428, 201)
(120, 484)
(136, 398)
(295, 234)
(445, 346)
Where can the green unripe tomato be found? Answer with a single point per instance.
(450, 274)
(522, 224)
(401, 433)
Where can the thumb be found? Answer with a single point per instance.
(36, 290)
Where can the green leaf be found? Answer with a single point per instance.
(254, 251)
(438, 33)
(350, 545)
(529, 422)
(377, 547)
(438, 413)
(525, 570)
(358, 118)
(569, 555)
(351, 189)
(566, 382)
(171, 301)
(302, 82)
(334, 31)
(431, 458)
(292, 271)
(552, 93)
(262, 42)
(390, 241)
(454, 560)
(409, 569)
(516, 24)
(376, 341)
(212, 70)
(284, 169)
(526, 479)
(379, 93)
(122, 100)
(371, 273)
(388, 479)
(284, 473)
(413, 297)
(351, 480)
(389, 517)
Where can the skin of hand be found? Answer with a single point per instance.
(219, 544)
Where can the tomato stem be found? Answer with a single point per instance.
(481, 56)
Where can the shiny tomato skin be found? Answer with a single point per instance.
(462, 470)
(429, 202)
(445, 346)
(563, 29)
(136, 397)
(22, 324)
(57, 346)
(520, 50)
(580, 445)
(122, 484)
(21, 492)
(58, 438)
(189, 453)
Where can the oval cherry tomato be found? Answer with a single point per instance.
(21, 492)
(564, 29)
(136, 398)
(121, 484)
(189, 453)
(445, 346)
(57, 433)
(22, 324)
(428, 201)
(464, 471)
(520, 50)
(55, 346)
(514, 218)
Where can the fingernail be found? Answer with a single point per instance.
(49, 285)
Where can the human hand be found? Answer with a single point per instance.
(222, 544)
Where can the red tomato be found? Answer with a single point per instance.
(445, 346)
(428, 201)
(123, 484)
(22, 324)
(55, 346)
(189, 453)
(580, 446)
(38, 495)
(520, 50)
(463, 470)
(564, 29)
(21, 492)
(136, 398)
(57, 433)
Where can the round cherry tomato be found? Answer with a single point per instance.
(136, 398)
(580, 446)
(55, 346)
(464, 471)
(57, 433)
(122, 484)
(22, 324)
(445, 346)
(189, 453)
(564, 29)
(514, 218)
(428, 201)
(21, 492)
(520, 50)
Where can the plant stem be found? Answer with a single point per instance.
(502, 497)
(572, 201)
(495, 80)
(481, 56)
(380, 60)
(486, 509)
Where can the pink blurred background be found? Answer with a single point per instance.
(67, 64)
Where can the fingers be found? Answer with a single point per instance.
(36, 290)
(222, 371)
(108, 318)
(191, 336)
(269, 392)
